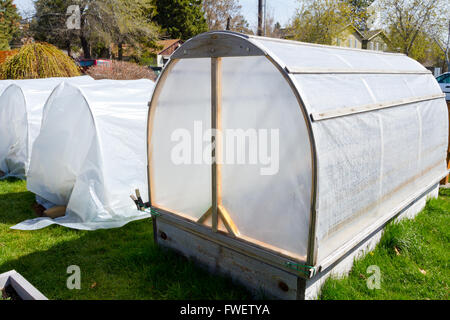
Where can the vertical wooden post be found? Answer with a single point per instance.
(216, 97)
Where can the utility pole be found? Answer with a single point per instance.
(228, 23)
(265, 8)
(260, 18)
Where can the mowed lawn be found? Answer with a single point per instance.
(121, 263)
(413, 257)
(124, 263)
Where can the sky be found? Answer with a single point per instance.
(281, 10)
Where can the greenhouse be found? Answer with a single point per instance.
(21, 104)
(90, 154)
(297, 154)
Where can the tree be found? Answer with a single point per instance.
(49, 24)
(444, 45)
(9, 23)
(101, 22)
(360, 14)
(218, 12)
(181, 19)
(411, 21)
(124, 22)
(424, 50)
(38, 60)
(271, 29)
(320, 21)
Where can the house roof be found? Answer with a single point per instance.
(166, 44)
(354, 28)
(369, 35)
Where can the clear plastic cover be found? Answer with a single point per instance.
(282, 171)
(353, 90)
(181, 181)
(269, 199)
(307, 56)
(372, 163)
(368, 164)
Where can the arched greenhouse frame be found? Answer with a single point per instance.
(362, 140)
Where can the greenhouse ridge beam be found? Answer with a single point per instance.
(317, 45)
(294, 70)
(342, 112)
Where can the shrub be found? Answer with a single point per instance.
(6, 54)
(121, 70)
(38, 60)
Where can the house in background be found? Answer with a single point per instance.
(167, 48)
(376, 40)
(351, 37)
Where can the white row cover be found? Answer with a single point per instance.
(90, 154)
(21, 105)
(4, 84)
(350, 171)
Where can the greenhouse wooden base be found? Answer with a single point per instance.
(261, 278)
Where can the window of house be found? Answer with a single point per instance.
(356, 43)
(349, 42)
(378, 46)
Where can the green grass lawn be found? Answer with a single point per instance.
(413, 257)
(124, 263)
(121, 263)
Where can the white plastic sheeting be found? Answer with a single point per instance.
(21, 105)
(91, 154)
(186, 188)
(4, 84)
(191, 194)
(366, 164)
(270, 109)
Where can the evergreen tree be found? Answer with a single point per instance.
(9, 23)
(181, 19)
(101, 22)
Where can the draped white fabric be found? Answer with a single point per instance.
(21, 105)
(90, 154)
